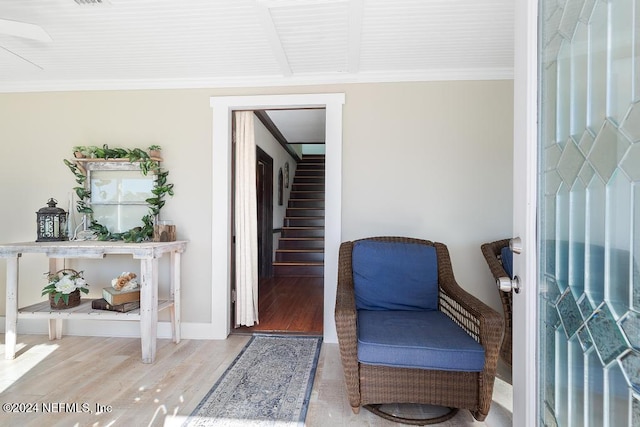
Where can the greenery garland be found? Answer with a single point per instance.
(147, 164)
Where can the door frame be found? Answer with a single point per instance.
(223, 107)
(525, 367)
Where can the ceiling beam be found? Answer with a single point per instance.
(24, 30)
(266, 20)
(356, 11)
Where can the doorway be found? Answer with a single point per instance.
(290, 235)
(219, 325)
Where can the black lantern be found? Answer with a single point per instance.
(52, 223)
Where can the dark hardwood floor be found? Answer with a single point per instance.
(289, 305)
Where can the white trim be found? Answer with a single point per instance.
(221, 199)
(109, 328)
(526, 405)
(260, 81)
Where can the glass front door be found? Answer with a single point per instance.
(589, 212)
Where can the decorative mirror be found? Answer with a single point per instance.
(120, 194)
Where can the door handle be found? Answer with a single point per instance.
(507, 284)
(515, 245)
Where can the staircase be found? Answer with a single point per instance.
(300, 250)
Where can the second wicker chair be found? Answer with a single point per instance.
(497, 255)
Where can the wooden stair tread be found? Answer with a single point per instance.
(302, 238)
(310, 263)
(314, 250)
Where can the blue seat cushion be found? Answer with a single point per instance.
(416, 339)
(507, 260)
(394, 276)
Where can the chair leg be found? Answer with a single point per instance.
(355, 409)
(375, 409)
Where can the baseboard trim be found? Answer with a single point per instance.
(118, 329)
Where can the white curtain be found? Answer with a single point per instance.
(246, 221)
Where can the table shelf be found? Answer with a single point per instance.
(43, 310)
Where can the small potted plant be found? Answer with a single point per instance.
(64, 287)
(154, 151)
(80, 151)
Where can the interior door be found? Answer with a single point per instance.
(580, 270)
(264, 193)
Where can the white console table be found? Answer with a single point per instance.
(148, 253)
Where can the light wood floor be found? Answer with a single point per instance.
(289, 305)
(108, 372)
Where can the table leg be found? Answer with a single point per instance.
(55, 325)
(148, 308)
(11, 315)
(174, 311)
(55, 329)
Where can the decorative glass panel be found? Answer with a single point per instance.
(576, 382)
(560, 402)
(618, 282)
(562, 237)
(585, 307)
(631, 327)
(597, 58)
(606, 335)
(563, 100)
(569, 313)
(585, 338)
(619, 397)
(579, 67)
(595, 390)
(620, 90)
(631, 124)
(631, 366)
(589, 212)
(594, 250)
(577, 238)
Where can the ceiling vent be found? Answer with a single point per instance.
(82, 2)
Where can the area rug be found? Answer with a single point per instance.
(268, 384)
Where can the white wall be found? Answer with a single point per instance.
(430, 160)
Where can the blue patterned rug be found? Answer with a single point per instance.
(268, 384)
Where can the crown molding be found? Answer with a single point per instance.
(257, 81)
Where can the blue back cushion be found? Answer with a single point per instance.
(395, 276)
(507, 260)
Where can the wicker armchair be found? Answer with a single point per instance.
(493, 255)
(371, 385)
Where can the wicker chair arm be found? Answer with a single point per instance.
(479, 320)
(346, 324)
(491, 252)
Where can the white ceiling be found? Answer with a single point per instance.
(300, 126)
(120, 44)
